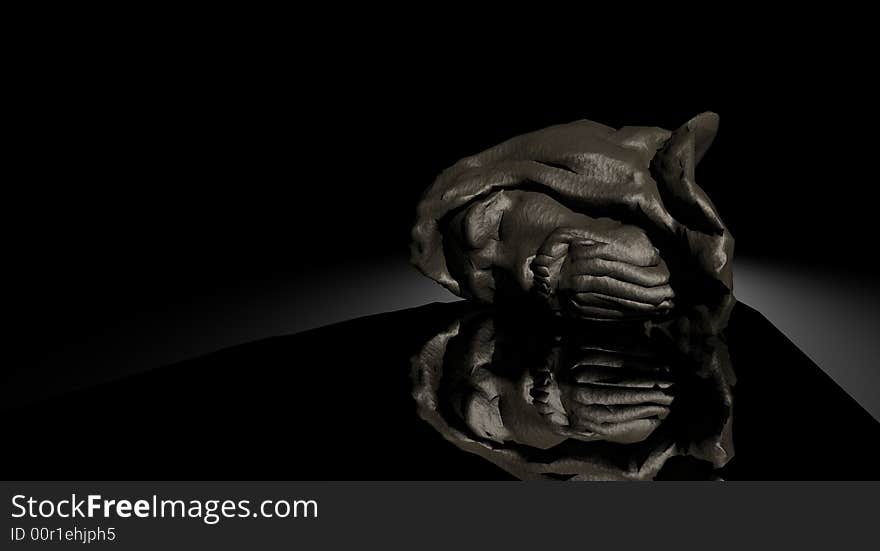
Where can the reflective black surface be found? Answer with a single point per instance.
(507, 398)
(551, 399)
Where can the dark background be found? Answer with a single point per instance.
(159, 170)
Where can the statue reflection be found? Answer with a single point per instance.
(586, 401)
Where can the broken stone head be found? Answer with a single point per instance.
(582, 219)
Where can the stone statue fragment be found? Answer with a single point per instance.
(582, 219)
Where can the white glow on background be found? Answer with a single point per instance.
(833, 317)
(834, 320)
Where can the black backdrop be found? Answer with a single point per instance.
(158, 172)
